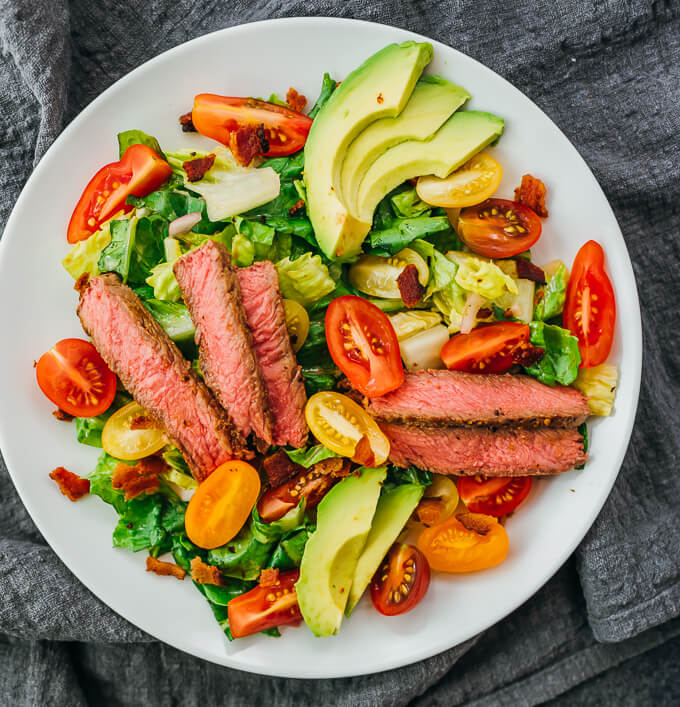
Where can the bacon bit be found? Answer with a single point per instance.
(299, 204)
(197, 168)
(296, 101)
(333, 466)
(363, 454)
(531, 192)
(279, 468)
(140, 478)
(187, 123)
(528, 271)
(429, 511)
(269, 577)
(475, 522)
(526, 354)
(82, 282)
(165, 569)
(202, 573)
(381, 100)
(409, 286)
(70, 484)
(247, 143)
(141, 422)
(62, 415)
(484, 312)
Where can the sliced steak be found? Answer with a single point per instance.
(153, 370)
(452, 398)
(275, 356)
(500, 452)
(211, 291)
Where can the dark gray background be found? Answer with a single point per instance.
(605, 628)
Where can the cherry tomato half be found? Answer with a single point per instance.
(364, 346)
(401, 580)
(139, 172)
(466, 542)
(499, 228)
(496, 496)
(218, 116)
(221, 504)
(490, 348)
(590, 308)
(74, 376)
(130, 434)
(263, 608)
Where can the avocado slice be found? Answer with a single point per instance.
(343, 522)
(463, 135)
(379, 88)
(394, 509)
(433, 100)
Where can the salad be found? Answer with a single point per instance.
(322, 362)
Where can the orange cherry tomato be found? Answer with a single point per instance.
(466, 542)
(221, 504)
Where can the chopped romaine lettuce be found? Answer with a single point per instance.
(164, 284)
(270, 532)
(402, 231)
(89, 429)
(171, 203)
(408, 323)
(242, 251)
(552, 295)
(598, 384)
(562, 357)
(310, 455)
(174, 318)
(408, 204)
(447, 296)
(482, 276)
(137, 137)
(84, 256)
(304, 280)
(328, 85)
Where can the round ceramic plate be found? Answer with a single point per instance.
(38, 309)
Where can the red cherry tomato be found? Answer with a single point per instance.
(364, 346)
(499, 228)
(590, 308)
(219, 116)
(493, 496)
(491, 348)
(139, 172)
(265, 607)
(74, 376)
(401, 580)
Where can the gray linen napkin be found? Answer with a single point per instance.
(607, 74)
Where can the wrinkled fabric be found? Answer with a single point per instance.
(608, 74)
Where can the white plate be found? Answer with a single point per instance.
(38, 309)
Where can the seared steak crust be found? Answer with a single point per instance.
(153, 370)
(211, 290)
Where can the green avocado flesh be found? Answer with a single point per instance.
(379, 88)
(433, 101)
(394, 509)
(462, 136)
(328, 565)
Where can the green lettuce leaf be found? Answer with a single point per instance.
(271, 532)
(310, 455)
(137, 137)
(318, 368)
(288, 553)
(328, 85)
(554, 293)
(397, 476)
(89, 429)
(171, 203)
(408, 204)
(482, 276)
(84, 255)
(287, 167)
(562, 357)
(304, 280)
(243, 557)
(447, 295)
(402, 231)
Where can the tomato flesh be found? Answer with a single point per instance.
(401, 581)
(490, 348)
(75, 378)
(130, 434)
(139, 172)
(364, 346)
(499, 228)
(496, 496)
(590, 308)
(466, 542)
(263, 608)
(218, 116)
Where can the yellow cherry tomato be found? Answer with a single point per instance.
(377, 276)
(470, 184)
(297, 322)
(131, 434)
(340, 424)
(222, 504)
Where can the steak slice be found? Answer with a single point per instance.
(211, 291)
(501, 452)
(153, 370)
(274, 352)
(452, 398)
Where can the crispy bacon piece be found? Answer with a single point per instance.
(62, 415)
(166, 569)
(81, 283)
(474, 522)
(247, 143)
(141, 422)
(299, 204)
(531, 193)
(70, 484)
(279, 468)
(197, 168)
(187, 123)
(409, 286)
(140, 478)
(363, 453)
(296, 101)
(202, 573)
(333, 466)
(269, 577)
(527, 270)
